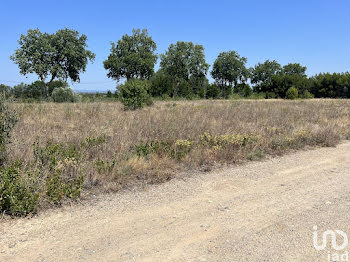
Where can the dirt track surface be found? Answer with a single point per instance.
(261, 211)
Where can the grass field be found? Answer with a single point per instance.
(114, 149)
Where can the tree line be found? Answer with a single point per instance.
(183, 70)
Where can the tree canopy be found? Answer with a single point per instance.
(261, 75)
(60, 55)
(294, 69)
(229, 68)
(183, 61)
(133, 56)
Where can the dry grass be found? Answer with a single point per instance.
(171, 134)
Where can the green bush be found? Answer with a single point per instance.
(306, 95)
(37, 90)
(270, 95)
(8, 119)
(134, 94)
(213, 91)
(243, 90)
(64, 94)
(60, 186)
(292, 93)
(61, 163)
(18, 192)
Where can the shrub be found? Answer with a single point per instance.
(8, 119)
(153, 147)
(5, 90)
(64, 94)
(134, 94)
(270, 95)
(213, 91)
(292, 93)
(243, 90)
(18, 192)
(306, 95)
(61, 163)
(60, 186)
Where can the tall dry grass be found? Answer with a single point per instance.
(204, 132)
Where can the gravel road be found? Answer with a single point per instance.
(260, 211)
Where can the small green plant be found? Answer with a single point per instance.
(292, 93)
(347, 136)
(227, 140)
(104, 166)
(279, 143)
(52, 152)
(93, 141)
(134, 94)
(182, 148)
(256, 155)
(18, 190)
(153, 147)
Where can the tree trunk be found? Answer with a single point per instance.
(45, 86)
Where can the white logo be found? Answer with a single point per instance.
(332, 234)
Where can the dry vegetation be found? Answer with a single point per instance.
(113, 148)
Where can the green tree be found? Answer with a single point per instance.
(229, 69)
(213, 91)
(60, 55)
(291, 75)
(261, 75)
(36, 90)
(336, 85)
(182, 61)
(281, 83)
(294, 69)
(133, 56)
(161, 84)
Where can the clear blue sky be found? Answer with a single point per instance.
(313, 32)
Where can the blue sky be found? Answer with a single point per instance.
(313, 33)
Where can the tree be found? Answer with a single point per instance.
(261, 75)
(60, 55)
(292, 75)
(334, 85)
(182, 61)
(229, 68)
(36, 90)
(294, 69)
(282, 82)
(133, 56)
(161, 84)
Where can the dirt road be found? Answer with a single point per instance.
(261, 211)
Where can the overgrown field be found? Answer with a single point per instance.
(58, 150)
